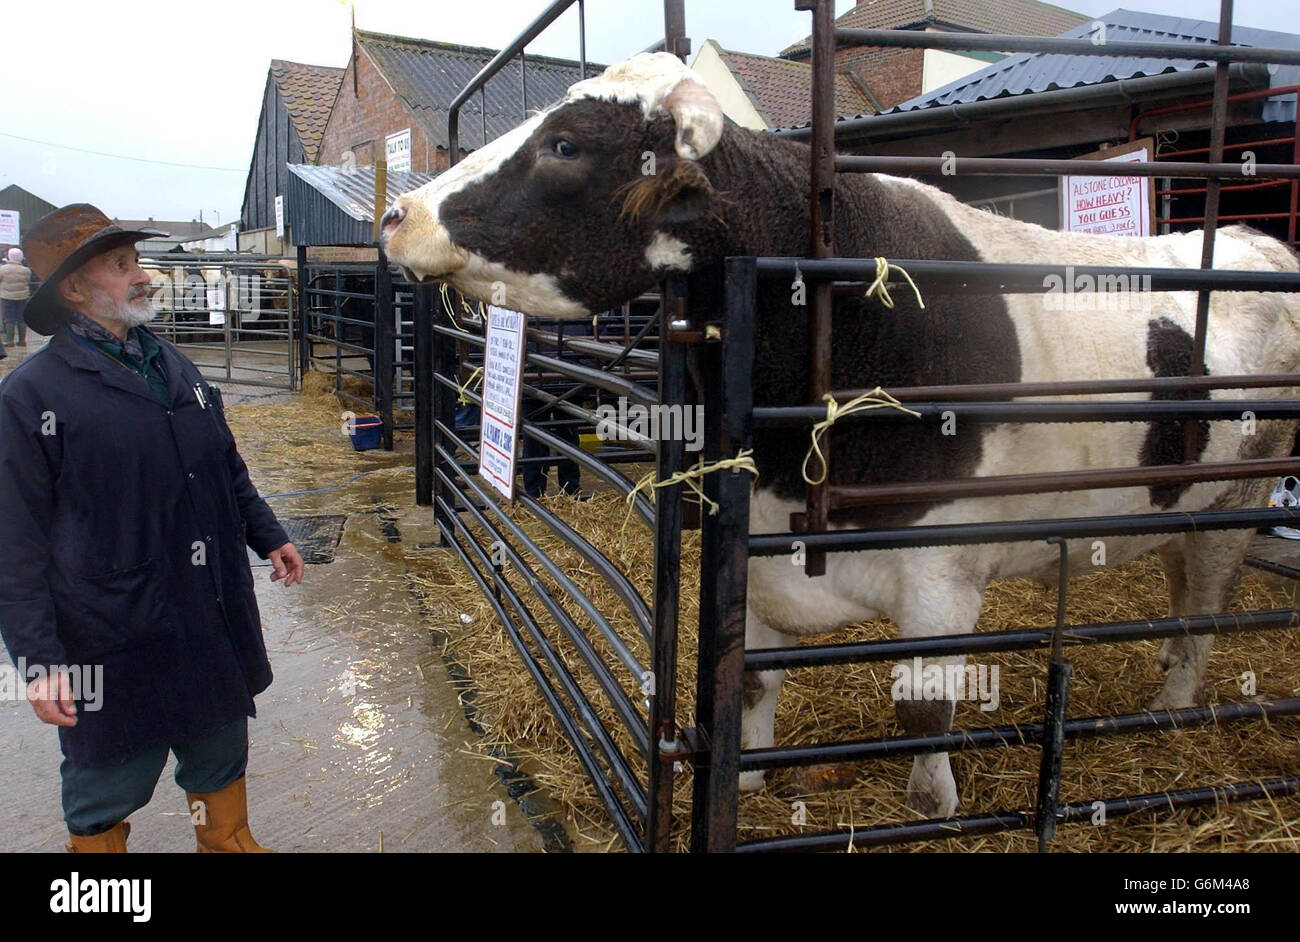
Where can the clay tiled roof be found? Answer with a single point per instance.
(1024, 17)
(781, 90)
(308, 93)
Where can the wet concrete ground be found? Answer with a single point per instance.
(359, 744)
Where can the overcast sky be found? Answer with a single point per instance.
(180, 84)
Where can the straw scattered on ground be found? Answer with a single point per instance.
(301, 445)
(837, 703)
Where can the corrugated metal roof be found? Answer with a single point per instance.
(331, 206)
(1026, 73)
(427, 75)
(354, 191)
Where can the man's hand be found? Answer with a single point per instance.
(51, 698)
(288, 565)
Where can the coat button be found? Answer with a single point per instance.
(191, 475)
(170, 412)
(208, 539)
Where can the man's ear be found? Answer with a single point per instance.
(71, 290)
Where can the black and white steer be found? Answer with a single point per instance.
(562, 212)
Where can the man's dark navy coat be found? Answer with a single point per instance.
(124, 528)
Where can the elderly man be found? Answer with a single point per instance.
(124, 580)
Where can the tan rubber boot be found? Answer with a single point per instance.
(112, 841)
(226, 815)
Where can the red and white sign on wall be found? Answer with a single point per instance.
(503, 368)
(9, 230)
(1118, 205)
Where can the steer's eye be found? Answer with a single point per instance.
(564, 148)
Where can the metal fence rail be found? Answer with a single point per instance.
(232, 315)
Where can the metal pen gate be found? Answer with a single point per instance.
(232, 315)
(716, 740)
(710, 317)
(358, 319)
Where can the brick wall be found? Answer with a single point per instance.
(371, 115)
(892, 74)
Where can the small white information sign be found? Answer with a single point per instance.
(9, 234)
(279, 216)
(397, 151)
(503, 367)
(1118, 205)
(216, 292)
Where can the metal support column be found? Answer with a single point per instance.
(422, 316)
(385, 333)
(724, 557)
(304, 344)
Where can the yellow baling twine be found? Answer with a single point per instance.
(445, 292)
(741, 462)
(476, 375)
(878, 288)
(875, 399)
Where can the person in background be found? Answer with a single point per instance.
(15, 279)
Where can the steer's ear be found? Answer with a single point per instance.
(679, 194)
(698, 117)
(688, 195)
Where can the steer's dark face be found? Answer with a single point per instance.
(578, 209)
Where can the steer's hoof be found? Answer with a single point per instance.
(1176, 696)
(929, 805)
(932, 791)
(752, 781)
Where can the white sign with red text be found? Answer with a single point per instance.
(1118, 205)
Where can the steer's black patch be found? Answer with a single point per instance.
(540, 212)
(1169, 353)
(955, 339)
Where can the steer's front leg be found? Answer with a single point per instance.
(934, 606)
(761, 692)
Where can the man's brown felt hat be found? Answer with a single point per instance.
(60, 243)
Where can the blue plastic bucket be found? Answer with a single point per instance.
(365, 432)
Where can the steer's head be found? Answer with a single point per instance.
(581, 207)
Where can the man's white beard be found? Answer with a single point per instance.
(128, 313)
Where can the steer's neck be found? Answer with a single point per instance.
(765, 183)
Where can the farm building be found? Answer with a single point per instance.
(768, 92)
(28, 206)
(1097, 102)
(892, 75)
(395, 84)
(178, 231)
(295, 109)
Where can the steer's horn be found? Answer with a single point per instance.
(698, 117)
